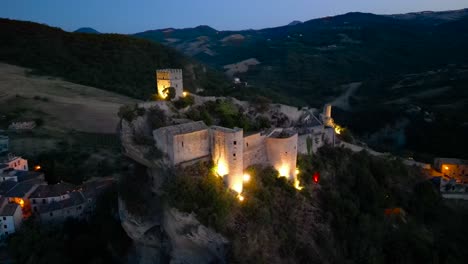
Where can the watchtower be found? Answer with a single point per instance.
(166, 78)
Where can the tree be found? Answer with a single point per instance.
(170, 93)
(309, 143)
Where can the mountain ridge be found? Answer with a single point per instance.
(88, 30)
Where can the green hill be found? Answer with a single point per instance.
(413, 69)
(113, 62)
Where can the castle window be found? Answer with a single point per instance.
(234, 154)
(247, 144)
(4, 226)
(4, 218)
(51, 214)
(235, 142)
(182, 144)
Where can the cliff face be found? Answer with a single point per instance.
(173, 237)
(163, 234)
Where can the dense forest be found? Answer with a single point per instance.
(114, 62)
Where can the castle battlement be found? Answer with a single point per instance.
(228, 148)
(166, 78)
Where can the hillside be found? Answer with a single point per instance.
(410, 71)
(87, 30)
(113, 62)
(308, 61)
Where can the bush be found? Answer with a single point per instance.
(184, 102)
(127, 112)
(156, 118)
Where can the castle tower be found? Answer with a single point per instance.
(227, 155)
(166, 78)
(326, 116)
(282, 153)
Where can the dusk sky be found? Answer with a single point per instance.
(124, 16)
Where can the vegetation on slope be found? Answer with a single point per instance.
(343, 219)
(113, 62)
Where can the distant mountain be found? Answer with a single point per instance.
(87, 30)
(295, 22)
(430, 17)
(403, 62)
(114, 62)
(307, 62)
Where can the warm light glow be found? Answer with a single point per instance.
(240, 197)
(446, 167)
(283, 171)
(37, 167)
(297, 171)
(18, 201)
(222, 168)
(237, 187)
(297, 185)
(316, 177)
(338, 129)
(246, 177)
(184, 94)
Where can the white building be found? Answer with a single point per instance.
(15, 162)
(11, 217)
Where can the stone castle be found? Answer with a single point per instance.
(166, 78)
(230, 150)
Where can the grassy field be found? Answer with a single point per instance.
(76, 134)
(61, 105)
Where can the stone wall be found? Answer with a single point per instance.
(282, 155)
(227, 154)
(191, 146)
(169, 78)
(317, 137)
(254, 150)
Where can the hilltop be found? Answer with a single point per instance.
(113, 62)
(408, 72)
(87, 30)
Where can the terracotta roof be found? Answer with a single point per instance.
(76, 198)
(9, 209)
(54, 190)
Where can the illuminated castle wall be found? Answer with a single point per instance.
(227, 154)
(282, 153)
(166, 78)
(229, 150)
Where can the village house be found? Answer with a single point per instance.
(13, 162)
(453, 168)
(11, 217)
